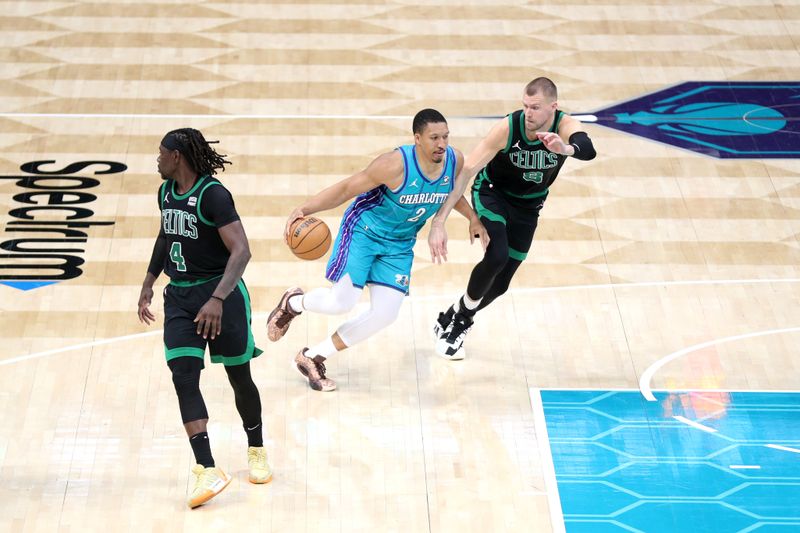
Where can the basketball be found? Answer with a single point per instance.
(309, 238)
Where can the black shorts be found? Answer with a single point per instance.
(519, 216)
(234, 346)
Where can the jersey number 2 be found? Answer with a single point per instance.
(176, 254)
(420, 212)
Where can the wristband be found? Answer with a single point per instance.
(218, 298)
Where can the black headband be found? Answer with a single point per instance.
(172, 141)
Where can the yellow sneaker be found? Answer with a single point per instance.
(260, 472)
(210, 482)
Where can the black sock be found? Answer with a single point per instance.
(463, 309)
(254, 436)
(201, 447)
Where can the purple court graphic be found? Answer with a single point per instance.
(720, 119)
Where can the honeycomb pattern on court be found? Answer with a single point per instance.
(625, 464)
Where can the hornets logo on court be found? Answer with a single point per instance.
(721, 119)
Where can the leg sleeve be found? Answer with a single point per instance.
(385, 305)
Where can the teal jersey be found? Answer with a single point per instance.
(399, 214)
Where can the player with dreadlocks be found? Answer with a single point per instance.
(203, 249)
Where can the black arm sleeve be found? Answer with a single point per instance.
(159, 254)
(583, 146)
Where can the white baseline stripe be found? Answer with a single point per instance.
(783, 448)
(548, 468)
(209, 116)
(647, 376)
(79, 346)
(694, 424)
(428, 298)
(582, 118)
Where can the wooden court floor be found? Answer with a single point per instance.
(645, 251)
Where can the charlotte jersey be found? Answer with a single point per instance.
(190, 222)
(524, 168)
(399, 214)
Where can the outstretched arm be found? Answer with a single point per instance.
(570, 140)
(494, 141)
(386, 169)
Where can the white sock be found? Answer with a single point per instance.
(296, 303)
(325, 349)
(469, 303)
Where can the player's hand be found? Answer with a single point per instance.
(145, 298)
(553, 142)
(478, 231)
(294, 215)
(437, 240)
(209, 319)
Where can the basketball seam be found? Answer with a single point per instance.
(309, 233)
(326, 240)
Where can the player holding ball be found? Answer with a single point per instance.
(394, 197)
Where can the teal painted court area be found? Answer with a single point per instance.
(692, 461)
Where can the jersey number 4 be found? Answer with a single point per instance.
(176, 254)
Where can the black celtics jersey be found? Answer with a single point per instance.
(191, 222)
(524, 168)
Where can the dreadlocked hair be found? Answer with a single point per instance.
(198, 153)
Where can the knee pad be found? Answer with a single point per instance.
(186, 378)
(496, 258)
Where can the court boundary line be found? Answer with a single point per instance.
(647, 375)
(548, 466)
(529, 290)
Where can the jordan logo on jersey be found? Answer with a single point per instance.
(413, 184)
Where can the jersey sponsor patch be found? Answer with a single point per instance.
(192, 201)
(401, 279)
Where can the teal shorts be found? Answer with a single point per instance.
(369, 259)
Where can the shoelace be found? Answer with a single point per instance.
(460, 328)
(258, 456)
(205, 478)
(320, 369)
(283, 318)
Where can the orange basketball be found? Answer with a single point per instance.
(309, 238)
